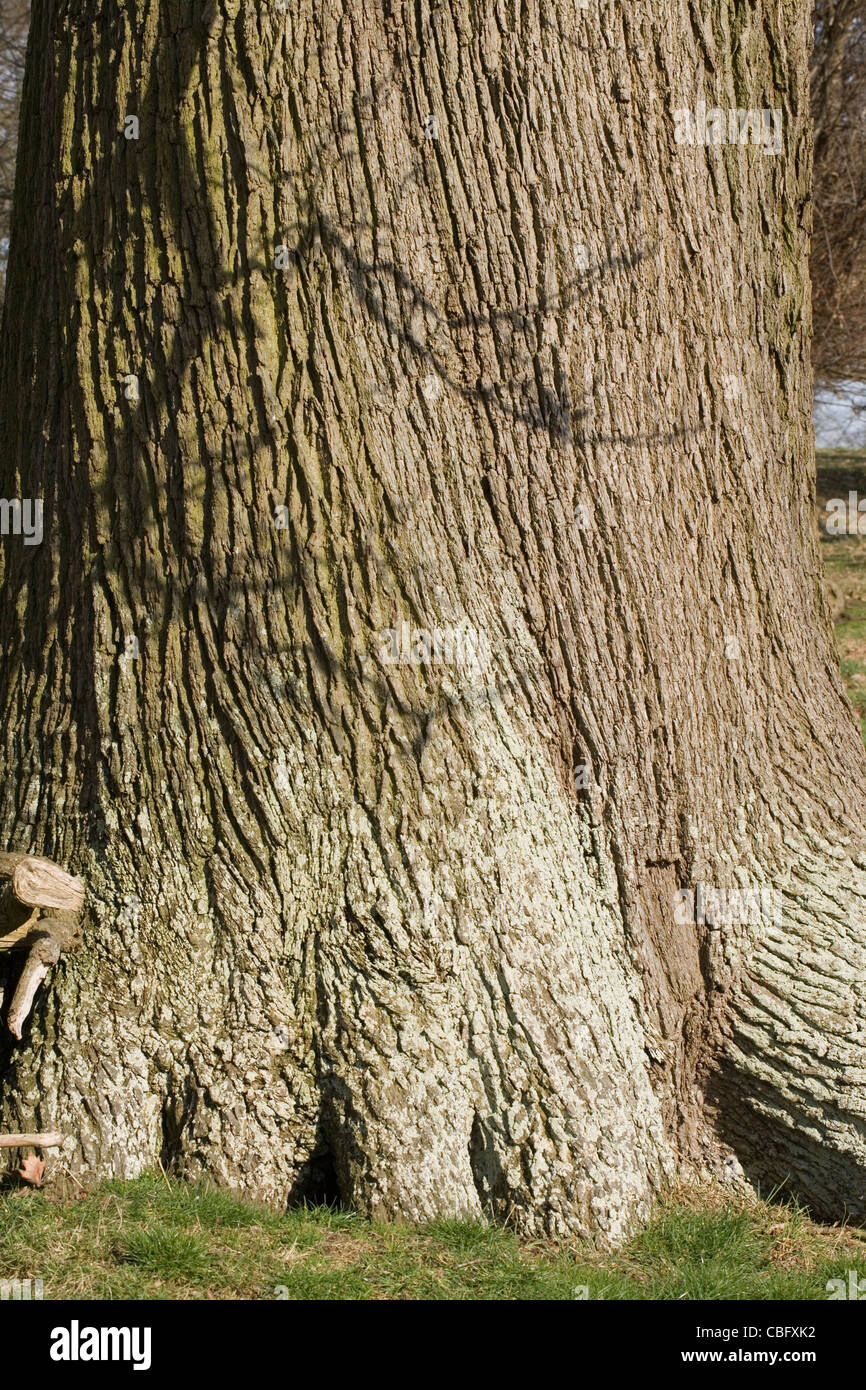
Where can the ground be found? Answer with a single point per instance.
(158, 1239)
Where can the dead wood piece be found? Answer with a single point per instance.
(44, 952)
(40, 908)
(39, 883)
(34, 885)
(49, 1140)
(14, 918)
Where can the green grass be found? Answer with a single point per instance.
(160, 1239)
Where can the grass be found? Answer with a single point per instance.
(158, 1239)
(842, 471)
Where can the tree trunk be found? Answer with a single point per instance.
(405, 322)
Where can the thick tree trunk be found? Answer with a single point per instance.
(432, 322)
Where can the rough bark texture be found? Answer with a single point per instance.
(531, 366)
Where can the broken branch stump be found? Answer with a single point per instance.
(40, 909)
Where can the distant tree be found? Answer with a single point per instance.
(14, 23)
(838, 262)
